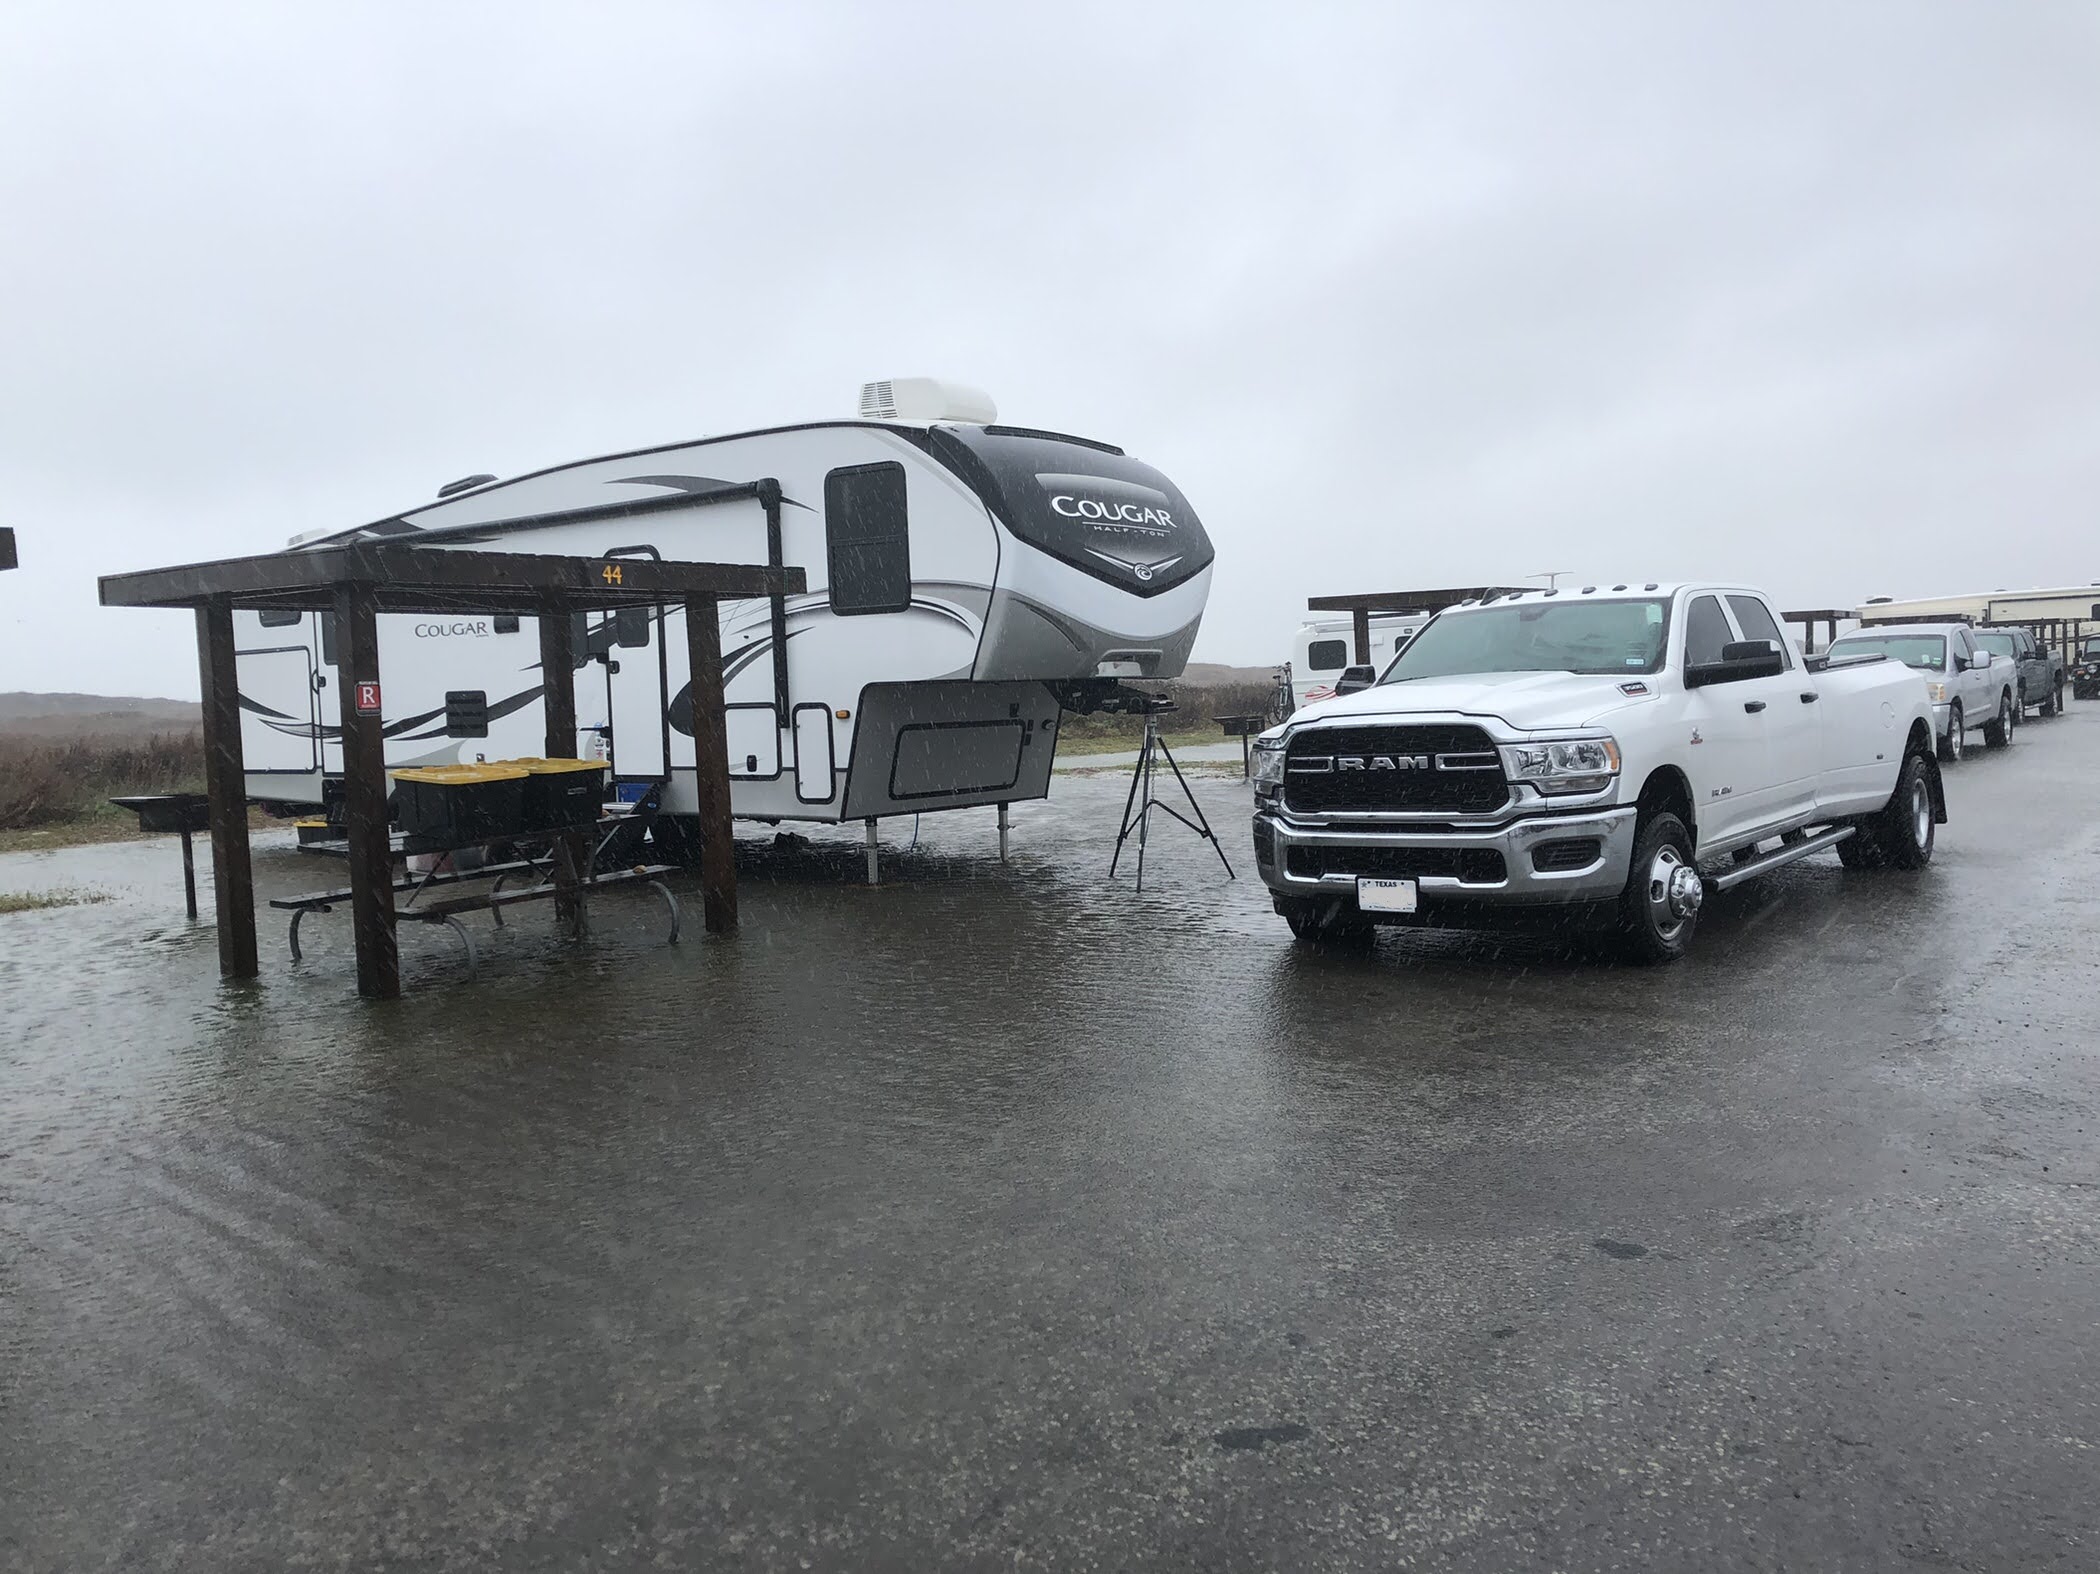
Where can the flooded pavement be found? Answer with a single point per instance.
(1003, 1217)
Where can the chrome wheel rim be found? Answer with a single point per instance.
(1920, 813)
(1674, 892)
(1954, 733)
(2005, 715)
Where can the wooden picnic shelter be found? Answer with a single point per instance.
(359, 581)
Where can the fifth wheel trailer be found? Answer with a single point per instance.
(968, 581)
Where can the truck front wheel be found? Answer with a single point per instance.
(1660, 906)
(1998, 732)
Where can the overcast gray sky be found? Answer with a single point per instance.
(1399, 294)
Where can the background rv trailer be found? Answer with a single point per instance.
(1322, 649)
(966, 582)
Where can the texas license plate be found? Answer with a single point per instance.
(1386, 896)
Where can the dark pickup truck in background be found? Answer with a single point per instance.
(2041, 670)
(2085, 674)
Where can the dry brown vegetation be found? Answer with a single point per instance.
(1195, 720)
(45, 784)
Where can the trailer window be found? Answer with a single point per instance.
(866, 541)
(272, 618)
(1327, 655)
(1753, 618)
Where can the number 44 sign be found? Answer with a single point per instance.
(367, 699)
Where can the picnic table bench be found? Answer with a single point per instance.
(447, 910)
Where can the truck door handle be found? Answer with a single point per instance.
(1810, 699)
(1753, 706)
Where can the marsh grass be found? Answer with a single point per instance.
(39, 901)
(51, 785)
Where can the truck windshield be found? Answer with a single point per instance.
(1926, 652)
(1538, 636)
(2001, 644)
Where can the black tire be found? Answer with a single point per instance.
(2053, 701)
(1997, 732)
(1330, 921)
(1956, 741)
(1901, 833)
(1652, 926)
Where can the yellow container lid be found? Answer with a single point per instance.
(461, 775)
(539, 766)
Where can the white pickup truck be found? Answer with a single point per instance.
(1589, 756)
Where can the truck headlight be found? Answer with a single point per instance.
(1268, 762)
(1573, 765)
(1936, 692)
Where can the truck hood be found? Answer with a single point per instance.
(1527, 701)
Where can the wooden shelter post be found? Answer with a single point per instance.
(558, 700)
(365, 795)
(703, 638)
(1360, 624)
(226, 783)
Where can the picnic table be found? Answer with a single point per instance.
(552, 878)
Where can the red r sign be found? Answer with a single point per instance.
(368, 699)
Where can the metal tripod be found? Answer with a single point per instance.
(1138, 806)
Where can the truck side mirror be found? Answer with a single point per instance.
(1354, 678)
(1741, 659)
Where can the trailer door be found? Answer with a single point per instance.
(637, 694)
(637, 684)
(814, 781)
(277, 710)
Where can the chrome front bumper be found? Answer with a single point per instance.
(1603, 878)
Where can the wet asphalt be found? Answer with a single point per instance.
(1003, 1217)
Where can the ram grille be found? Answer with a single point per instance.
(1444, 768)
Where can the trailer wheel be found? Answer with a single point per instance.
(1659, 909)
(1901, 832)
(676, 838)
(1324, 922)
(1997, 732)
(1956, 740)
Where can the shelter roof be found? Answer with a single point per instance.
(435, 579)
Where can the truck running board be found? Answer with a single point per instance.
(1783, 854)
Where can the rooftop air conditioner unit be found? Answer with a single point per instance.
(925, 399)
